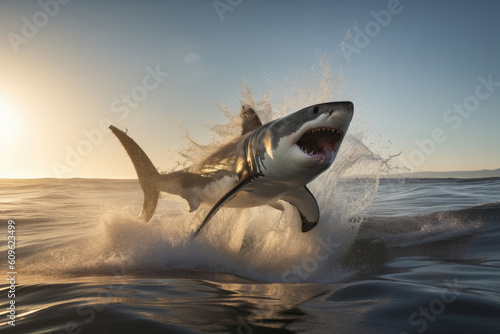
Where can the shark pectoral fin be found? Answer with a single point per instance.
(228, 196)
(277, 206)
(307, 206)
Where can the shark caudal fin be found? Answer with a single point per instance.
(146, 171)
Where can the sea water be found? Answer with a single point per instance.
(388, 255)
(423, 256)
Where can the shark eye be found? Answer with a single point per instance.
(316, 109)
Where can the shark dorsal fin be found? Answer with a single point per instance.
(250, 119)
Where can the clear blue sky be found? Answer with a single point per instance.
(61, 80)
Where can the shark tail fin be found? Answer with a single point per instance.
(149, 177)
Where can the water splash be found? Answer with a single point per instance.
(263, 243)
(258, 243)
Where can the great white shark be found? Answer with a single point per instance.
(267, 164)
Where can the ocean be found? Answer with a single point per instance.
(388, 256)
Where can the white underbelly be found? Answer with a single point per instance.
(261, 192)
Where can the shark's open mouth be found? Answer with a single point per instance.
(320, 143)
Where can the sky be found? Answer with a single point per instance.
(424, 76)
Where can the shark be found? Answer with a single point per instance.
(269, 164)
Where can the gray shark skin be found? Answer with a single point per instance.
(269, 163)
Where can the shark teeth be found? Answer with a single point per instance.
(320, 143)
(334, 131)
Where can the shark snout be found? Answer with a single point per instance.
(343, 107)
(342, 111)
(349, 108)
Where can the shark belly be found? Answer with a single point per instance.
(261, 191)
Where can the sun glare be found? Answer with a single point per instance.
(9, 138)
(7, 119)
